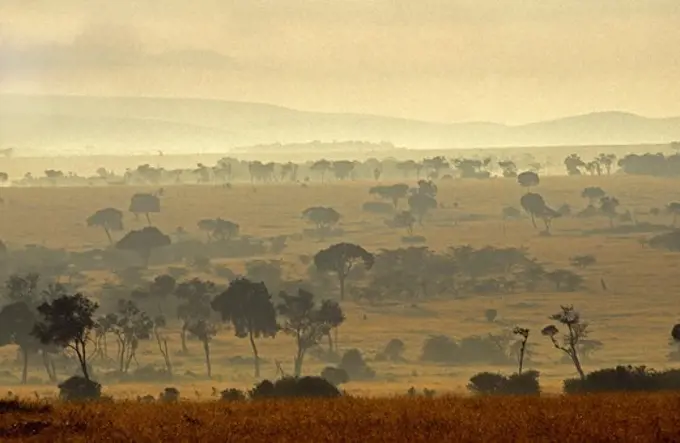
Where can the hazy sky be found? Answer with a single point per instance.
(447, 60)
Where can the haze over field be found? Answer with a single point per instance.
(430, 61)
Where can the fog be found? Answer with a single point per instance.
(433, 60)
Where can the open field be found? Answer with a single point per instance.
(593, 419)
(632, 318)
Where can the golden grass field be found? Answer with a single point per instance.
(633, 318)
(592, 419)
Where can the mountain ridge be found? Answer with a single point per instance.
(188, 124)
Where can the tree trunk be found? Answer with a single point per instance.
(255, 355)
(533, 220)
(49, 366)
(163, 348)
(206, 349)
(577, 364)
(80, 352)
(183, 335)
(341, 277)
(108, 234)
(24, 372)
(148, 219)
(330, 342)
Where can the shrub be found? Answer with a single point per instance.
(354, 364)
(232, 394)
(439, 349)
(394, 351)
(337, 376)
(79, 388)
(487, 383)
(169, 395)
(624, 378)
(287, 387)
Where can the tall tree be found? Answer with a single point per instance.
(204, 330)
(304, 321)
(68, 322)
(340, 259)
(110, 219)
(195, 296)
(248, 307)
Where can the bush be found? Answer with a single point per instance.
(487, 383)
(232, 394)
(79, 388)
(624, 379)
(394, 351)
(352, 362)
(169, 395)
(288, 387)
(473, 349)
(337, 376)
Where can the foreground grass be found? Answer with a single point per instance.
(626, 418)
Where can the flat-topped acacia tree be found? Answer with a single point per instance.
(340, 259)
(110, 219)
(144, 241)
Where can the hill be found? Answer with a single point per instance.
(40, 124)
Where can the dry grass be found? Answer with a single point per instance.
(633, 318)
(606, 418)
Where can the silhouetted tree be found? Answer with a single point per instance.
(576, 332)
(528, 179)
(573, 162)
(195, 296)
(404, 219)
(420, 204)
(524, 333)
(145, 204)
(321, 166)
(143, 242)
(509, 168)
(204, 330)
(606, 160)
(110, 219)
(340, 258)
(304, 321)
(322, 217)
(67, 322)
(674, 209)
(248, 307)
(393, 192)
(130, 325)
(608, 207)
(593, 194)
(17, 321)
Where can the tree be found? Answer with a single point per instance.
(67, 322)
(341, 258)
(606, 160)
(195, 296)
(130, 325)
(528, 179)
(248, 307)
(332, 314)
(608, 207)
(322, 217)
(219, 228)
(393, 192)
(143, 242)
(321, 166)
(304, 321)
(204, 330)
(674, 208)
(17, 321)
(404, 219)
(524, 333)
(573, 162)
(593, 194)
(145, 204)
(576, 332)
(342, 169)
(533, 204)
(110, 219)
(410, 166)
(509, 168)
(420, 204)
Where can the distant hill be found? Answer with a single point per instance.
(141, 125)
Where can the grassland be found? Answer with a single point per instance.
(610, 418)
(633, 318)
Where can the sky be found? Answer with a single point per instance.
(507, 61)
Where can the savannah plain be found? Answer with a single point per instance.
(632, 317)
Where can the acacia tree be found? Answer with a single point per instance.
(130, 325)
(420, 204)
(110, 219)
(393, 192)
(68, 322)
(608, 207)
(17, 321)
(576, 332)
(593, 194)
(341, 258)
(322, 217)
(524, 333)
(528, 179)
(321, 166)
(195, 296)
(331, 312)
(204, 330)
(304, 321)
(247, 305)
(143, 242)
(145, 204)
